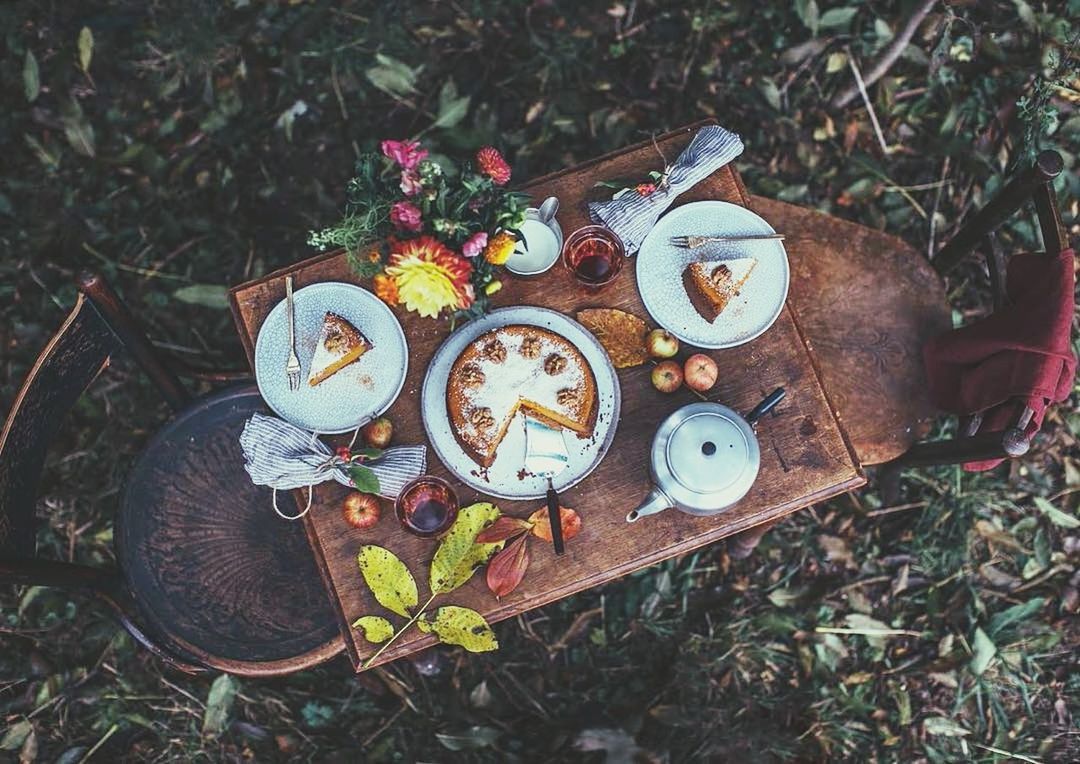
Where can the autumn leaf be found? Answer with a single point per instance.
(461, 626)
(375, 628)
(504, 528)
(458, 555)
(507, 568)
(541, 525)
(622, 334)
(389, 580)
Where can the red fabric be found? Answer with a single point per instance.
(1020, 355)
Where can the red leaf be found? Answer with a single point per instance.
(571, 523)
(502, 529)
(508, 567)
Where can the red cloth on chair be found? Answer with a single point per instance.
(1020, 355)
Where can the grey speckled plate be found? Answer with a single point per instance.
(660, 265)
(502, 479)
(351, 397)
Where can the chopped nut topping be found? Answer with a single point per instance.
(471, 376)
(494, 351)
(482, 418)
(530, 346)
(554, 364)
(721, 275)
(567, 396)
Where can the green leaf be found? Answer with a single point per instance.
(15, 735)
(1014, 614)
(365, 480)
(837, 17)
(809, 14)
(461, 626)
(368, 453)
(218, 705)
(207, 295)
(458, 556)
(983, 649)
(77, 130)
(940, 725)
(472, 739)
(86, 48)
(389, 580)
(376, 629)
(784, 597)
(1055, 515)
(31, 76)
(452, 109)
(392, 76)
(769, 91)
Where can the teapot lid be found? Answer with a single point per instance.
(706, 457)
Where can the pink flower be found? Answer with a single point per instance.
(406, 216)
(408, 154)
(644, 189)
(410, 183)
(474, 245)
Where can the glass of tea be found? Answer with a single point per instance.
(427, 506)
(594, 254)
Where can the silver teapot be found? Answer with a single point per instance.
(705, 458)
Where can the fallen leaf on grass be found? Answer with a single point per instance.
(622, 334)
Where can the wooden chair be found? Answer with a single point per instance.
(209, 577)
(867, 302)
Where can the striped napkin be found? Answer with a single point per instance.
(284, 456)
(631, 216)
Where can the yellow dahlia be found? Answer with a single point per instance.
(499, 247)
(429, 276)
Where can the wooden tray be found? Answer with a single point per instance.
(804, 454)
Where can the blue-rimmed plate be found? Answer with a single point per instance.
(354, 395)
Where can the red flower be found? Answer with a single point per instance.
(644, 189)
(492, 164)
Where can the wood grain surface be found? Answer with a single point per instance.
(804, 455)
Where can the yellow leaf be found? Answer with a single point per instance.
(455, 625)
(388, 578)
(375, 628)
(86, 48)
(458, 556)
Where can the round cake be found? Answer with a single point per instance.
(518, 368)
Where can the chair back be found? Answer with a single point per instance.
(98, 327)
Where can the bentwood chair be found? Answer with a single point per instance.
(867, 302)
(209, 577)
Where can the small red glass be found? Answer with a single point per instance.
(427, 506)
(594, 254)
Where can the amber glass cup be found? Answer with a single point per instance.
(594, 254)
(427, 506)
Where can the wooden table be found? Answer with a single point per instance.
(804, 454)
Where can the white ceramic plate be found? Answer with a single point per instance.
(354, 395)
(502, 479)
(660, 265)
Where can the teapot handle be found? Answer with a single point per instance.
(656, 501)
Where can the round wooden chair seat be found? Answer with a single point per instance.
(211, 565)
(866, 302)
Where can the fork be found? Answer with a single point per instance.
(292, 368)
(693, 242)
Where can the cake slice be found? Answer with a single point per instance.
(340, 343)
(711, 285)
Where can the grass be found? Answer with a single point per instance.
(167, 164)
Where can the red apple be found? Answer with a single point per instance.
(378, 432)
(361, 510)
(667, 376)
(701, 372)
(661, 344)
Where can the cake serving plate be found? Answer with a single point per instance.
(355, 394)
(660, 265)
(506, 478)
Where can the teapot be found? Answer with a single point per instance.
(704, 458)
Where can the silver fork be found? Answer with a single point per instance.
(693, 242)
(292, 368)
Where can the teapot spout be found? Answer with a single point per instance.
(656, 501)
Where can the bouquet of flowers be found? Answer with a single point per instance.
(429, 234)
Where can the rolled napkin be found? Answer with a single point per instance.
(283, 456)
(632, 216)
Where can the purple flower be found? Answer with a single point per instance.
(406, 216)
